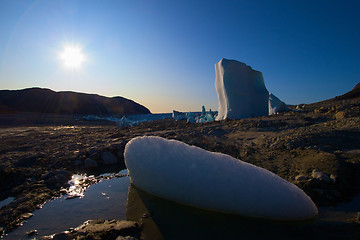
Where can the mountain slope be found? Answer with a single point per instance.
(354, 93)
(40, 100)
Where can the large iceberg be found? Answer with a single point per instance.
(193, 176)
(241, 91)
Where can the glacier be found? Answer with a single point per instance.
(192, 176)
(241, 91)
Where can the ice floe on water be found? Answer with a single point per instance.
(193, 176)
(195, 117)
(133, 120)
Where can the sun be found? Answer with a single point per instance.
(72, 56)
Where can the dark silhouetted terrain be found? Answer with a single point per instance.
(354, 93)
(39, 100)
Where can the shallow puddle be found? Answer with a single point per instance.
(106, 200)
(169, 220)
(6, 201)
(114, 199)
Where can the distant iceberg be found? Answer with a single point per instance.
(241, 91)
(193, 176)
(276, 105)
(195, 117)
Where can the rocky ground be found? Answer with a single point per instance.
(315, 146)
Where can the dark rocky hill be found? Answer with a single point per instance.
(354, 93)
(40, 100)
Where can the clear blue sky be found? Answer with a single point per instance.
(162, 53)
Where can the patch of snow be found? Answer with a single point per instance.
(193, 176)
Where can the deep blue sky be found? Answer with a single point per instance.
(162, 53)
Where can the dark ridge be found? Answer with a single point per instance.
(41, 100)
(354, 93)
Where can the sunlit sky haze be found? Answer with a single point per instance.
(162, 53)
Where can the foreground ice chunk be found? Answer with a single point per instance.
(193, 176)
(241, 91)
(276, 105)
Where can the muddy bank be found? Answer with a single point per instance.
(315, 146)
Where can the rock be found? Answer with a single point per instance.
(77, 163)
(26, 215)
(300, 178)
(61, 236)
(56, 178)
(25, 162)
(108, 158)
(241, 91)
(316, 174)
(56, 181)
(340, 115)
(92, 151)
(333, 178)
(107, 229)
(276, 105)
(64, 173)
(31, 233)
(125, 238)
(300, 107)
(90, 163)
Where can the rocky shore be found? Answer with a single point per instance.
(315, 146)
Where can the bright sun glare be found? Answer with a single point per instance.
(72, 56)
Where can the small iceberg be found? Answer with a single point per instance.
(214, 181)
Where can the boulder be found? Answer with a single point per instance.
(241, 91)
(108, 158)
(340, 115)
(300, 178)
(316, 174)
(90, 163)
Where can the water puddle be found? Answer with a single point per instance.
(169, 220)
(106, 200)
(6, 201)
(116, 198)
